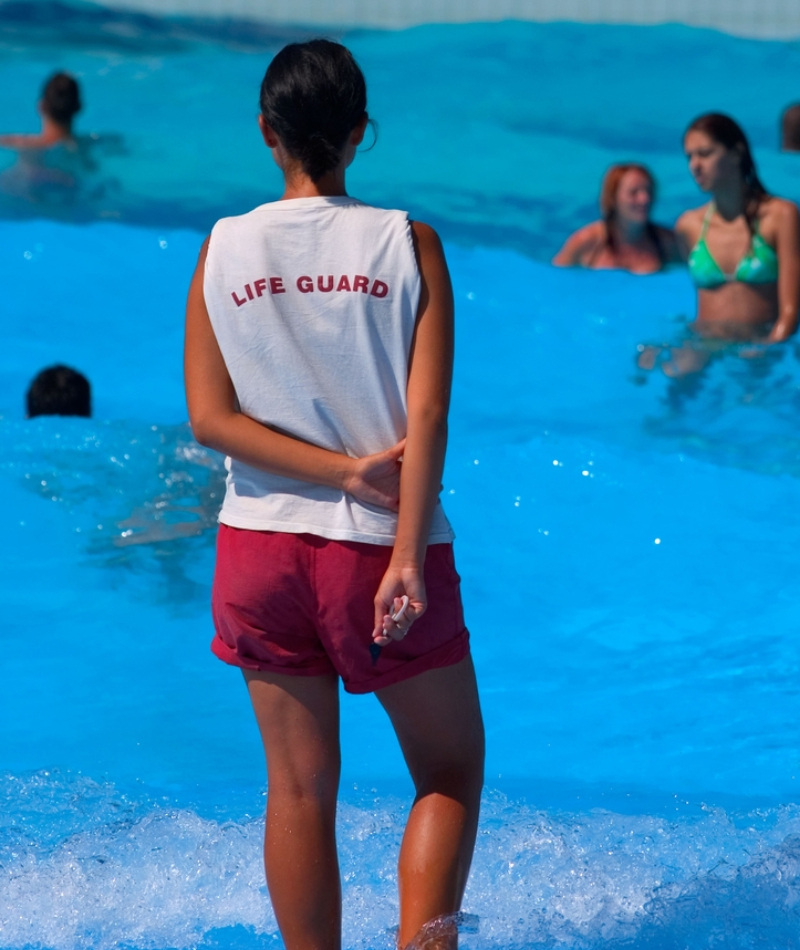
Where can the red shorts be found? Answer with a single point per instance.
(303, 605)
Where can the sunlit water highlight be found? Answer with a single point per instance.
(628, 549)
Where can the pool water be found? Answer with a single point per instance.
(627, 544)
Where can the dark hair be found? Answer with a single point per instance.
(59, 391)
(61, 98)
(723, 130)
(608, 202)
(790, 129)
(313, 96)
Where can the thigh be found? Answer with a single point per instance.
(298, 718)
(437, 718)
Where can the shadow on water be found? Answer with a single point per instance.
(739, 410)
(144, 499)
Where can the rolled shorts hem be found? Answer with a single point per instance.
(223, 652)
(448, 654)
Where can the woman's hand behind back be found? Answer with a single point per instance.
(375, 479)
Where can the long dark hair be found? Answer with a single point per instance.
(313, 96)
(608, 202)
(728, 133)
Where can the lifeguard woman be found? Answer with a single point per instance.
(319, 346)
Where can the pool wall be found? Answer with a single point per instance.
(779, 19)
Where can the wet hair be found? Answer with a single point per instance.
(790, 129)
(59, 391)
(608, 202)
(728, 133)
(61, 98)
(313, 96)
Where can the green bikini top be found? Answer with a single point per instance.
(758, 266)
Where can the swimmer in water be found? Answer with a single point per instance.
(60, 103)
(742, 249)
(625, 238)
(49, 163)
(319, 348)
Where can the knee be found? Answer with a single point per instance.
(458, 777)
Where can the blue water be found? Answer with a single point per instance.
(628, 546)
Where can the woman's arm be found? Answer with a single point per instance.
(428, 395)
(788, 248)
(21, 142)
(217, 422)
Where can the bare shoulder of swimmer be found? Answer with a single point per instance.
(690, 223)
(687, 230)
(22, 141)
(580, 244)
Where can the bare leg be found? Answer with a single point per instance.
(437, 718)
(299, 721)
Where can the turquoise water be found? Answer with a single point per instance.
(628, 546)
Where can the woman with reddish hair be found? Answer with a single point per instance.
(625, 237)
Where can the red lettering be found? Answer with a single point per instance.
(236, 299)
(361, 283)
(305, 285)
(379, 289)
(249, 291)
(260, 286)
(276, 285)
(327, 289)
(344, 283)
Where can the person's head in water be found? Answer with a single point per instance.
(720, 159)
(59, 391)
(61, 100)
(626, 196)
(313, 108)
(790, 129)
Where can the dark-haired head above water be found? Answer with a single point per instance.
(312, 97)
(61, 99)
(59, 391)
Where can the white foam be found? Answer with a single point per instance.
(140, 874)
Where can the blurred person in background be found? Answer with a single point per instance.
(58, 106)
(742, 248)
(49, 162)
(624, 238)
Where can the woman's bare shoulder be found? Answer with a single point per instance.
(589, 233)
(689, 225)
(580, 243)
(692, 217)
(781, 209)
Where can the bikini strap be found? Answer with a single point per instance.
(706, 219)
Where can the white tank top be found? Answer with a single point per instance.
(313, 302)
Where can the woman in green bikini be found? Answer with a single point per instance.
(742, 249)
